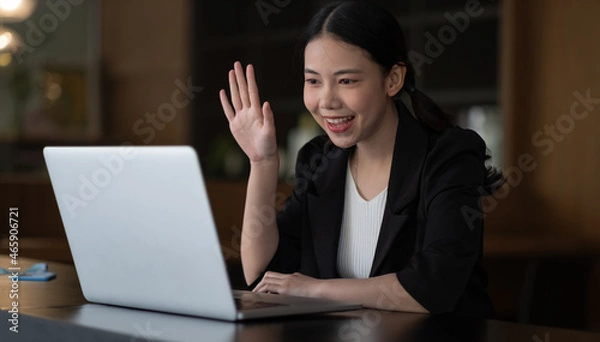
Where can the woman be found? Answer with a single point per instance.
(386, 207)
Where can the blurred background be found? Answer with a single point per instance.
(522, 73)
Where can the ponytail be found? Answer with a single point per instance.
(426, 111)
(429, 113)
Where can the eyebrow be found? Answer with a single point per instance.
(337, 73)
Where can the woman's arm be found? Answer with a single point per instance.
(260, 236)
(383, 292)
(451, 245)
(253, 128)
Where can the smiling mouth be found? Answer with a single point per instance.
(339, 124)
(339, 121)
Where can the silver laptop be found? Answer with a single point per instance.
(142, 234)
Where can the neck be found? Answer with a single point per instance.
(379, 148)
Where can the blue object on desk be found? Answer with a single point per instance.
(37, 272)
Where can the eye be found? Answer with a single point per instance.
(347, 81)
(311, 81)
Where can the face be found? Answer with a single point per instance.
(346, 92)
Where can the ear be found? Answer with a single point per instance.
(394, 81)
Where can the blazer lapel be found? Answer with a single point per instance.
(410, 150)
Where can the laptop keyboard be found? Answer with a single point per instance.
(248, 304)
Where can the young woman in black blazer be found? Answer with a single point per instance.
(429, 244)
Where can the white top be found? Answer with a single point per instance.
(361, 224)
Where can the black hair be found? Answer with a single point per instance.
(375, 30)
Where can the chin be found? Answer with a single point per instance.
(341, 142)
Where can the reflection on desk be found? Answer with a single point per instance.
(94, 322)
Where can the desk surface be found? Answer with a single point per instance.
(56, 311)
(64, 290)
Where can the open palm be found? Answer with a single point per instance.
(251, 124)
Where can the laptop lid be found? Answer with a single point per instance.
(140, 228)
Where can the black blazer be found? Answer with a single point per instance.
(431, 233)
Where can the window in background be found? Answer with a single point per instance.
(49, 79)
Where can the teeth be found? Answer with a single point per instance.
(339, 121)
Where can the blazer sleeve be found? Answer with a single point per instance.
(289, 220)
(453, 174)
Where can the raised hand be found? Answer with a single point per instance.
(251, 124)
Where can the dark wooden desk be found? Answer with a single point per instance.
(64, 290)
(56, 311)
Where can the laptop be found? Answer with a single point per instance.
(142, 235)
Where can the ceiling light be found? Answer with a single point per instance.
(10, 40)
(16, 10)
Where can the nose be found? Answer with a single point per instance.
(328, 98)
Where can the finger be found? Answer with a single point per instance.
(229, 113)
(242, 85)
(270, 288)
(235, 93)
(274, 281)
(252, 86)
(260, 287)
(268, 117)
(274, 275)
